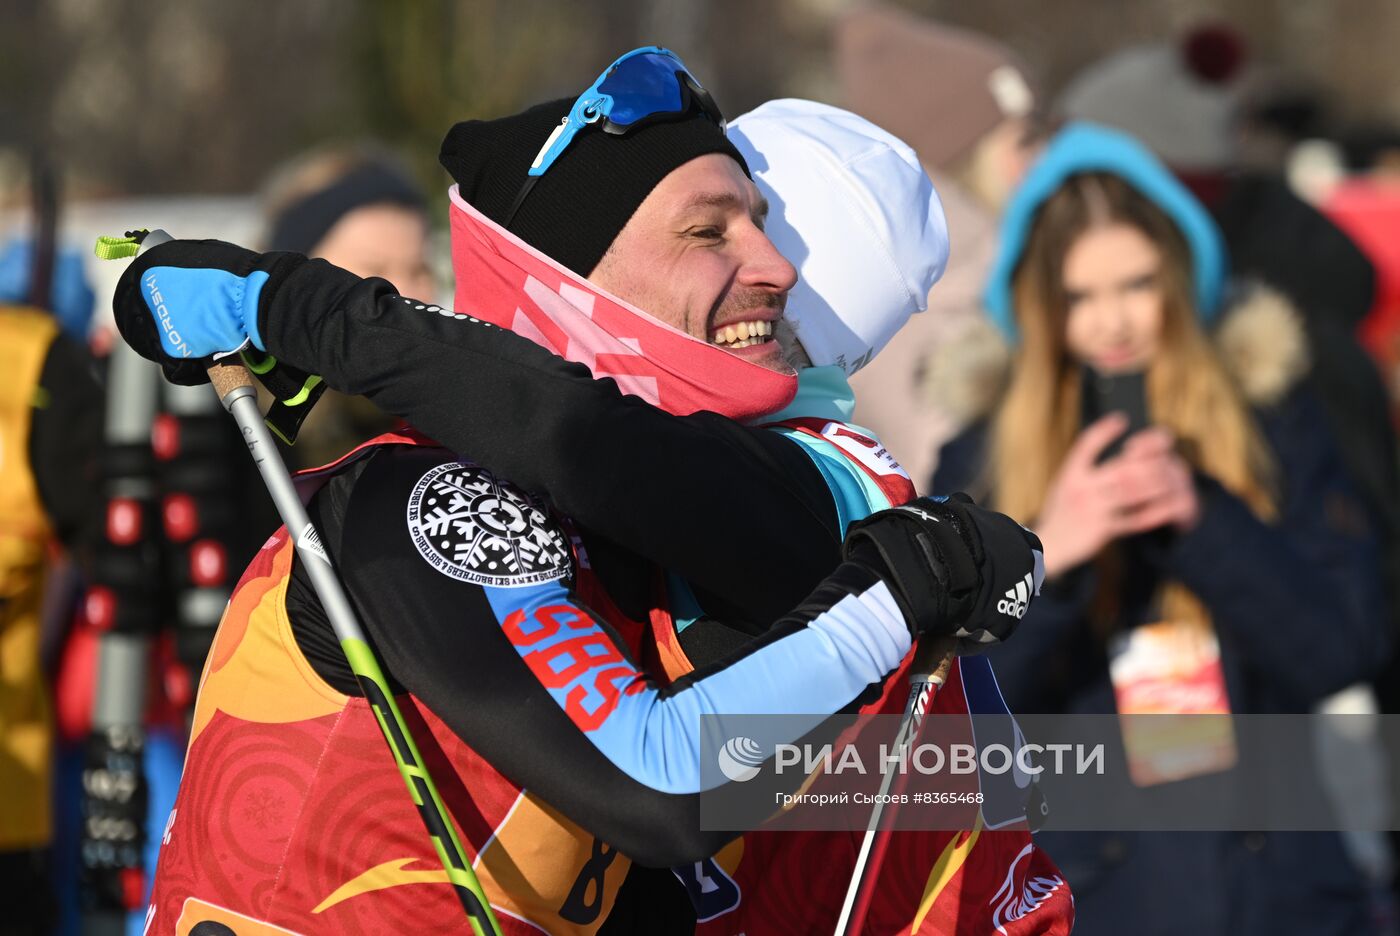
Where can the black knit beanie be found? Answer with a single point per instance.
(302, 224)
(580, 205)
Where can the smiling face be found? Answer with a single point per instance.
(694, 256)
(1114, 298)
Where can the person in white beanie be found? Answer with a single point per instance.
(851, 206)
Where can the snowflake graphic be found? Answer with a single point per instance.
(470, 526)
(263, 809)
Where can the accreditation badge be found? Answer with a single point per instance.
(1166, 669)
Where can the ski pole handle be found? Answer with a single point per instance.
(228, 375)
(933, 661)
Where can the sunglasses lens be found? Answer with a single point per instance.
(641, 86)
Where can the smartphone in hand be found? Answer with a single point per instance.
(1115, 393)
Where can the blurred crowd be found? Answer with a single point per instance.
(1167, 340)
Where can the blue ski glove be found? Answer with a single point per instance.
(183, 302)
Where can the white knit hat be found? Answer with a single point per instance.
(855, 212)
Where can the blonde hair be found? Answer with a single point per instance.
(1189, 390)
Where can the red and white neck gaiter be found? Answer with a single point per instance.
(504, 281)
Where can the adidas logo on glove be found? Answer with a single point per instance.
(1014, 604)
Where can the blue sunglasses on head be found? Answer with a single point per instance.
(645, 86)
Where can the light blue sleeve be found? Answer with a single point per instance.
(654, 734)
(856, 496)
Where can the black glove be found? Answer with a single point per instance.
(956, 569)
(182, 302)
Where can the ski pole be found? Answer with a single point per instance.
(234, 385)
(928, 672)
(44, 182)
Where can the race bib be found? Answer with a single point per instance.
(1170, 669)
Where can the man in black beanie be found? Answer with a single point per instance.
(665, 217)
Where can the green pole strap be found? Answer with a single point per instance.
(304, 392)
(258, 365)
(425, 794)
(117, 248)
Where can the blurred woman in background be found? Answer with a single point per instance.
(1205, 552)
(358, 208)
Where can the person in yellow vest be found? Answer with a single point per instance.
(50, 434)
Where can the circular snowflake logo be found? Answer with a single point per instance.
(472, 527)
